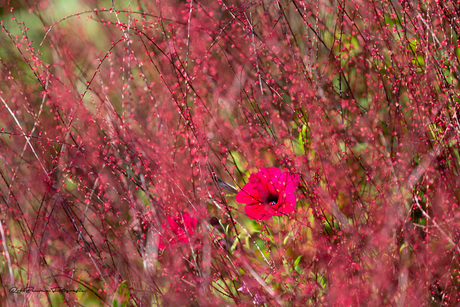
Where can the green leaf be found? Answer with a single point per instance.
(235, 243)
(297, 266)
(296, 262)
(121, 297)
(286, 239)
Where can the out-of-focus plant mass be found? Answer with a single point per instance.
(229, 153)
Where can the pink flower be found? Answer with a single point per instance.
(269, 193)
(182, 227)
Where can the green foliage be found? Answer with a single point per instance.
(121, 295)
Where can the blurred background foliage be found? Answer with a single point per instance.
(359, 97)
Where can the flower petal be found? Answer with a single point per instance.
(271, 173)
(269, 178)
(265, 188)
(190, 223)
(182, 228)
(161, 244)
(250, 194)
(287, 182)
(258, 212)
(286, 204)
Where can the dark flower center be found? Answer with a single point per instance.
(272, 199)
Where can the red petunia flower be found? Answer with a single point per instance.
(269, 193)
(182, 227)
